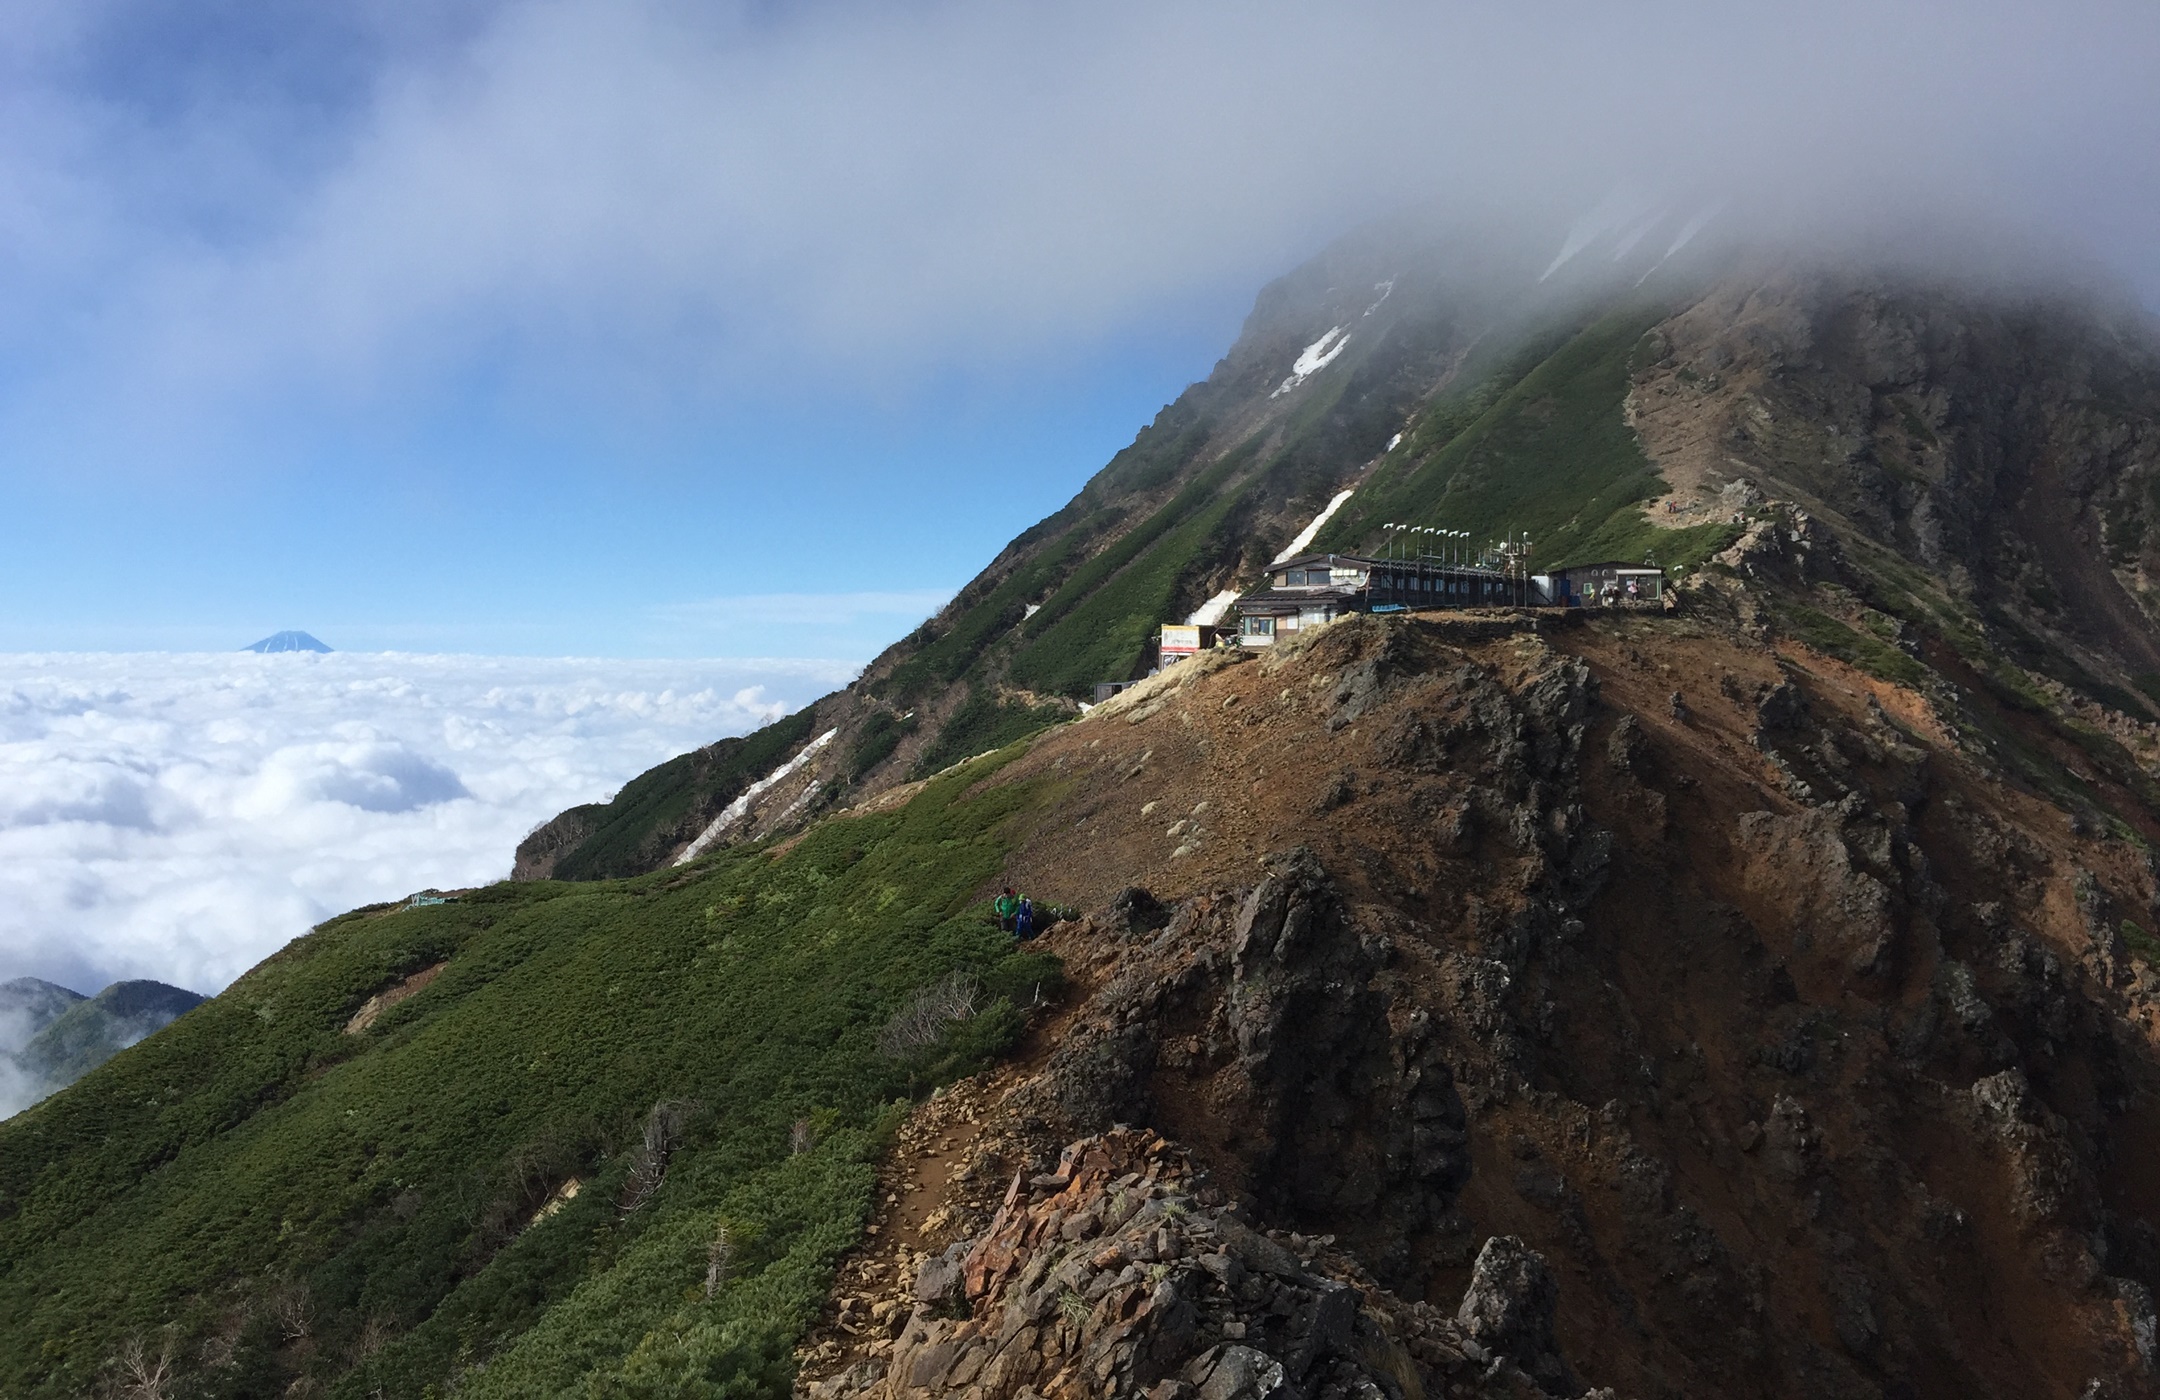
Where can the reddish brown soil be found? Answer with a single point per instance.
(1845, 1224)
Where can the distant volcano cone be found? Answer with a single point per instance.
(287, 641)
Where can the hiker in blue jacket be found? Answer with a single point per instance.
(1024, 919)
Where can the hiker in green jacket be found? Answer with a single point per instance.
(1008, 904)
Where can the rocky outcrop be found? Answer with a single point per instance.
(2005, 445)
(1121, 1273)
(546, 844)
(1263, 1024)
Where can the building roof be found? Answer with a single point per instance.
(1291, 599)
(1306, 561)
(1607, 564)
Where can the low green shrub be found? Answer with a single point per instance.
(2141, 943)
(982, 724)
(1862, 649)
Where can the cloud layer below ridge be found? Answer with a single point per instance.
(180, 816)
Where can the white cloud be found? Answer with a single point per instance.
(653, 198)
(180, 816)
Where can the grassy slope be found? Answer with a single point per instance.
(252, 1150)
(1094, 627)
(1061, 564)
(1533, 442)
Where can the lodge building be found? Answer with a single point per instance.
(1315, 589)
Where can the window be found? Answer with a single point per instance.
(1259, 627)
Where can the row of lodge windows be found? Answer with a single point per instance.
(1450, 587)
(1391, 582)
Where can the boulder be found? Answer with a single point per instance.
(1509, 1305)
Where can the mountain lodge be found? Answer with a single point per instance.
(1315, 589)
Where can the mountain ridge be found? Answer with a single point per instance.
(1574, 409)
(56, 1035)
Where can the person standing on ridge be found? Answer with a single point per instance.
(1007, 906)
(1024, 919)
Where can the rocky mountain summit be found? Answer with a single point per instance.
(287, 641)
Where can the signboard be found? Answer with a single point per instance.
(1184, 638)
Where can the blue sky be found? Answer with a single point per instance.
(663, 328)
(770, 529)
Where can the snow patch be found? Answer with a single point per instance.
(1210, 612)
(1314, 358)
(740, 807)
(1383, 288)
(1307, 535)
(1393, 443)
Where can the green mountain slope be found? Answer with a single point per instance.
(1540, 446)
(665, 806)
(28, 1005)
(1987, 461)
(363, 1210)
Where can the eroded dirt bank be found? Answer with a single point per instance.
(1807, 1055)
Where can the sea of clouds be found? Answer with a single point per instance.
(180, 816)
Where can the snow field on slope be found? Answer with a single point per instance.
(1314, 358)
(735, 811)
